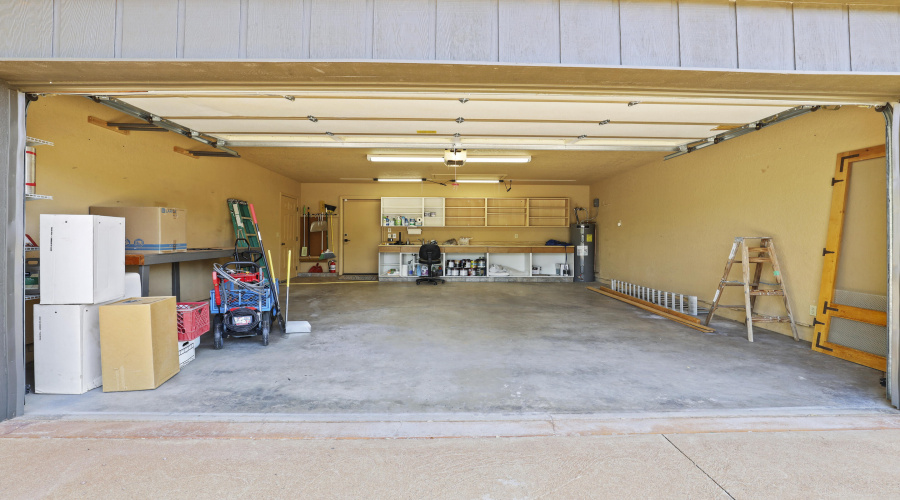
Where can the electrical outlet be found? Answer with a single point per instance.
(812, 310)
(516, 235)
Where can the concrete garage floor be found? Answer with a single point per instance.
(489, 348)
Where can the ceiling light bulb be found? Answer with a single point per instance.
(376, 179)
(476, 181)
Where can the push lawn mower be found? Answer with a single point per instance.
(242, 300)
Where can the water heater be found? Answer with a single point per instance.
(583, 241)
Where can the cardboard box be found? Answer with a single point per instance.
(66, 348)
(151, 229)
(82, 259)
(138, 343)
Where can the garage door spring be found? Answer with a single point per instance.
(241, 311)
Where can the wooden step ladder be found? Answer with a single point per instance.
(764, 253)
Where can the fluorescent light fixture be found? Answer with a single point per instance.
(406, 159)
(500, 159)
(475, 181)
(440, 159)
(376, 179)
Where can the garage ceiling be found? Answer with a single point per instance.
(512, 109)
(326, 136)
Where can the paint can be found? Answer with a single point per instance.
(30, 170)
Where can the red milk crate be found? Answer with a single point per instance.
(193, 320)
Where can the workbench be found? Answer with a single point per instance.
(144, 260)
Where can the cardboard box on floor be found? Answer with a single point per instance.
(151, 229)
(138, 343)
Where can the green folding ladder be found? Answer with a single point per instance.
(244, 228)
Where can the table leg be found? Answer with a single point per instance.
(176, 281)
(145, 280)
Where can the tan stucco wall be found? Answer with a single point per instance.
(92, 166)
(679, 217)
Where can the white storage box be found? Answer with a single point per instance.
(66, 348)
(82, 259)
(187, 350)
(132, 285)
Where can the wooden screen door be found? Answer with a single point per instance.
(850, 318)
(361, 223)
(290, 236)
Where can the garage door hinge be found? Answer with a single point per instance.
(835, 181)
(825, 308)
(817, 322)
(825, 252)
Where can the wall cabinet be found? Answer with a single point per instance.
(474, 212)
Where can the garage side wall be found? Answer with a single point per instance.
(747, 34)
(92, 166)
(679, 217)
(12, 152)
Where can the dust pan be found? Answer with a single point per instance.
(318, 225)
(292, 326)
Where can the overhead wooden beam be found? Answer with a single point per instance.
(93, 120)
(184, 152)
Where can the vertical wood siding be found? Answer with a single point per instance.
(341, 29)
(467, 30)
(821, 37)
(746, 34)
(212, 29)
(649, 32)
(529, 31)
(589, 32)
(875, 38)
(765, 32)
(404, 29)
(708, 30)
(277, 29)
(85, 28)
(149, 29)
(27, 28)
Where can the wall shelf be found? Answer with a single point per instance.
(33, 141)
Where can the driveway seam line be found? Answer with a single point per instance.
(697, 466)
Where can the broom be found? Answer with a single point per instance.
(327, 254)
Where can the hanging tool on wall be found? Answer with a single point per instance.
(328, 210)
(304, 251)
